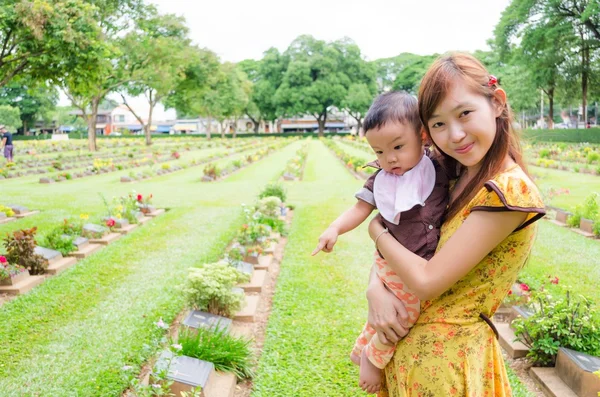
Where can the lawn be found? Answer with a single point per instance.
(73, 334)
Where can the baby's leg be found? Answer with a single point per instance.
(362, 341)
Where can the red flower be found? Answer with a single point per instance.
(524, 287)
(510, 291)
(110, 222)
(492, 81)
(554, 280)
(3, 259)
(139, 197)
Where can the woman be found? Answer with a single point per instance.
(487, 235)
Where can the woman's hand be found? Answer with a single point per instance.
(376, 227)
(387, 314)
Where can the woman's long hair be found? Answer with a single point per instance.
(465, 69)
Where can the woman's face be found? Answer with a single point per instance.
(463, 125)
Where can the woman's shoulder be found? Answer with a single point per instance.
(510, 190)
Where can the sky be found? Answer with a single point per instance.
(240, 29)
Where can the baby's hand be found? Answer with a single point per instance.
(326, 241)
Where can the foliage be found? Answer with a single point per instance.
(57, 240)
(7, 210)
(212, 170)
(209, 288)
(269, 206)
(38, 36)
(215, 345)
(274, 189)
(588, 210)
(35, 101)
(567, 321)
(11, 117)
(20, 247)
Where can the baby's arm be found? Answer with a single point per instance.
(349, 220)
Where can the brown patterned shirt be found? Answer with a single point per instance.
(419, 227)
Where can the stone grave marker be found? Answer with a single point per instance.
(92, 230)
(245, 267)
(198, 319)
(185, 372)
(47, 253)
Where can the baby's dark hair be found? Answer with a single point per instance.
(394, 106)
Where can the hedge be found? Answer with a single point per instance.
(591, 135)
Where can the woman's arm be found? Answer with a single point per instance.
(387, 314)
(480, 233)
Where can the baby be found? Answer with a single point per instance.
(410, 190)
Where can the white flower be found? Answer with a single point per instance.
(156, 386)
(176, 346)
(127, 368)
(161, 324)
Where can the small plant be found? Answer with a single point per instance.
(166, 166)
(8, 211)
(209, 288)
(567, 321)
(58, 240)
(215, 345)
(8, 270)
(274, 189)
(212, 171)
(269, 206)
(20, 246)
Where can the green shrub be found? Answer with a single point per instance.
(274, 189)
(209, 288)
(269, 206)
(567, 321)
(544, 153)
(226, 352)
(58, 241)
(592, 156)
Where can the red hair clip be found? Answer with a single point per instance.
(492, 81)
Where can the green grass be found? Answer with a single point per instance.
(73, 334)
(580, 186)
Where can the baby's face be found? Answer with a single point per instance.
(397, 145)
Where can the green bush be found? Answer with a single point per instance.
(591, 135)
(593, 156)
(58, 241)
(209, 288)
(567, 321)
(269, 206)
(226, 352)
(274, 189)
(544, 153)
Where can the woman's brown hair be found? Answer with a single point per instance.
(465, 69)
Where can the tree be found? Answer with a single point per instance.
(409, 78)
(160, 45)
(37, 37)
(388, 68)
(10, 117)
(102, 68)
(34, 101)
(357, 103)
(195, 92)
(314, 80)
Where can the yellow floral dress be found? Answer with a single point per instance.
(451, 350)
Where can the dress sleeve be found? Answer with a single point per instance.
(511, 192)
(366, 192)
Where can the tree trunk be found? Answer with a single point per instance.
(585, 61)
(550, 94)
(208, 128)
(148, 126)
(92, 125)
(25, 128)
(256, 127)
(322, 119)
(361, 133)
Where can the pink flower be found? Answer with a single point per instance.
(161, 324)
(524, 287)
(139, 197)
(492, 81)
(554, 280)
(3, 259)
(110, 222)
